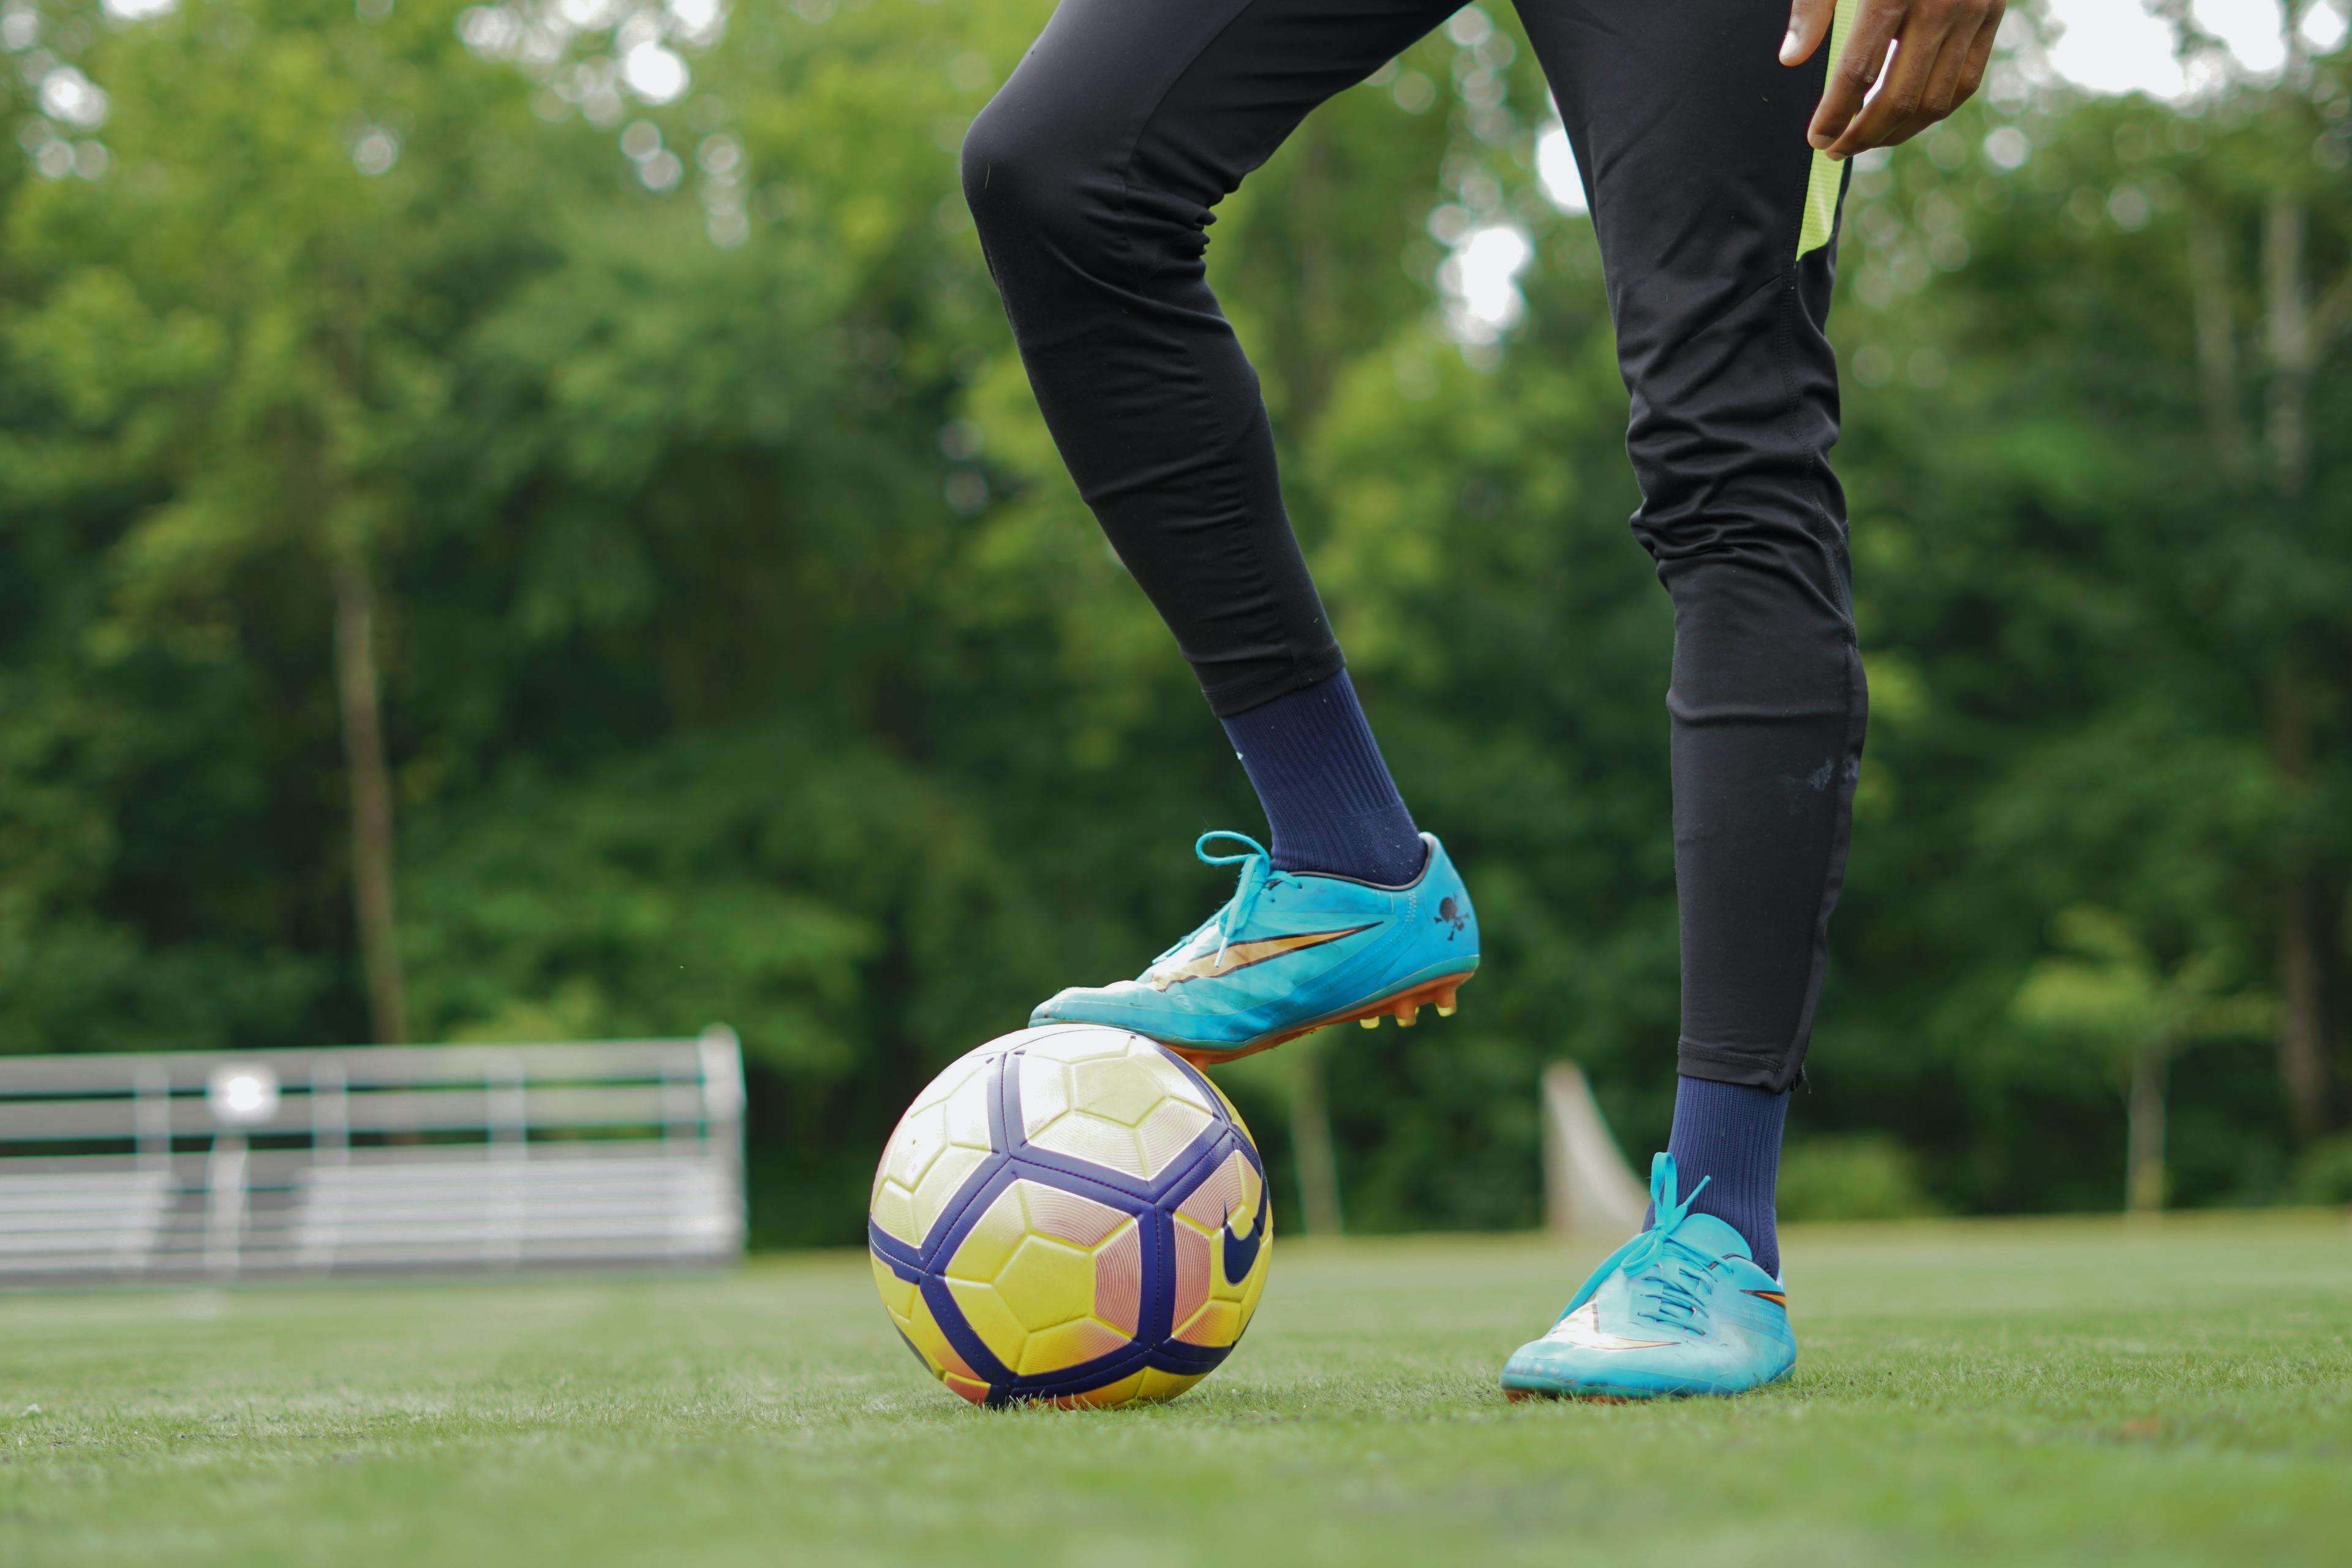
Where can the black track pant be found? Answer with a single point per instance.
(1092, 176)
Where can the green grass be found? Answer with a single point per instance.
(2060, 1392)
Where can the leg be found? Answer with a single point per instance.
(1718, 238)
(1092, 176)
(1715, 224)
(1717, 227)
(1714, 218)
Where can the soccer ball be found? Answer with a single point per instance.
(1070, 1214)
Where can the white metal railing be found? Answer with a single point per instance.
(424, 1158)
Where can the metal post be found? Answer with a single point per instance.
(506, 1106)
(223, 1205)
(721, 1052)
(331, 1113)
(153, 1114)
(681, 1103)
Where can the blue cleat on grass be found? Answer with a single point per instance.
(1681, 1309)
(1290, 952)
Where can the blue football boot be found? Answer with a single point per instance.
(1680, 1308)
(1290, 952)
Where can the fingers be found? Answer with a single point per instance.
(1980, 52)
(1959, 69)
(1903, 93)
(1809, 23)
(1942, 93)
(1940, 51)
(1854, 72)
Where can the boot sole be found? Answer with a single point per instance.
(1404, 1007)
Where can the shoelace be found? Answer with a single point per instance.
(1671, 1279)
(1257, 873)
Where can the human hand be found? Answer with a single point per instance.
(1941, 47)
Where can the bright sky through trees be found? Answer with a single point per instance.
(2116, 46)
(2107, 46)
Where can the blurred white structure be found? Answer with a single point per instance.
(410, 1158)
(1589, 1190)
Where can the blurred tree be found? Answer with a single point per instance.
(2079, 584)
(2111, 993)
(250, 316)
(2285, 163)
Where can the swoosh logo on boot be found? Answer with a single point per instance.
(1242, 954)
(1582, 1329)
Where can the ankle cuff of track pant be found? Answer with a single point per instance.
(1778, 1069)
(1258, 681)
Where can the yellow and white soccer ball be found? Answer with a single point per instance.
(1070, 1213)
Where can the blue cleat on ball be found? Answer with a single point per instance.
(1290, 952)
(1681, 1309)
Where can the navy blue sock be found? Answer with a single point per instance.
(1327, 794)
(1732, 1133)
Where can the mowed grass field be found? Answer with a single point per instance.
(2056, 1392)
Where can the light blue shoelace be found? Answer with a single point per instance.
(1257, 870)
(1670, 1279)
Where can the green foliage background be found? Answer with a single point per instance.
(747, 655)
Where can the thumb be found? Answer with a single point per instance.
(1809, 20)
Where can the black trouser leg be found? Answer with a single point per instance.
(1691, 137)
(1091, 175)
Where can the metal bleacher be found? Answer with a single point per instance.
(412, 1158)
